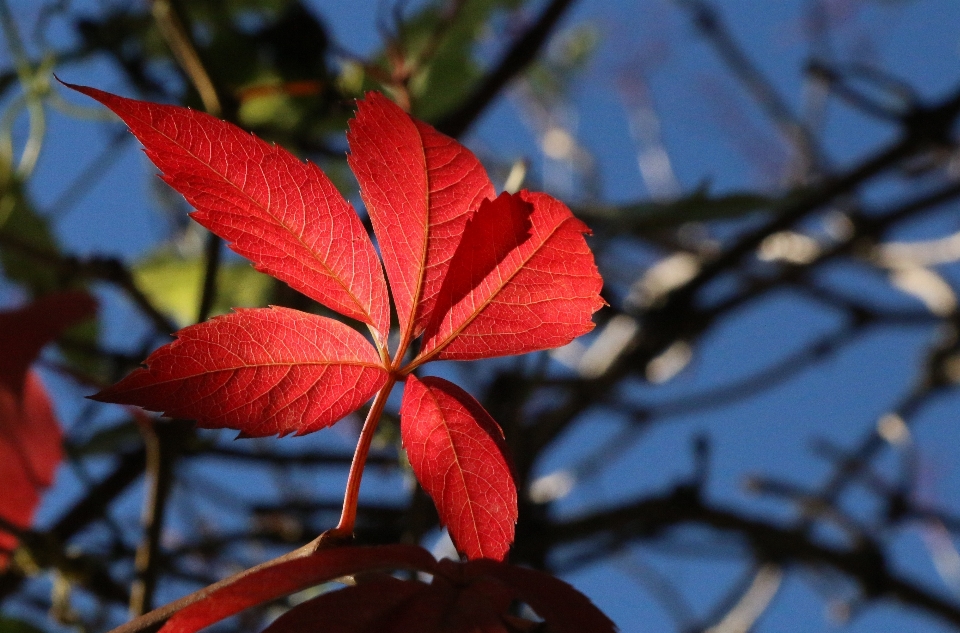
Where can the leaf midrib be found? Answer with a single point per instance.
(220, 370)
(459, 468)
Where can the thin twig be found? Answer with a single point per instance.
(707, 20)
(28, 80)
(174, 32)
(89, 177)
(161, 453)
(212, 253)
(159, 474)
(318, 458)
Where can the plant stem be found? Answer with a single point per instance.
(349, 515)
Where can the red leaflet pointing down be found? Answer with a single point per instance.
(458, 454)
(477, 275)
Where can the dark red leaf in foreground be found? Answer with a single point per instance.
(419, 187)
(259, 585)
(30, 451)
(566, 609)
(369, 607)
(30, 436)
(459, 456)
(511, 293)
(479, 606)
(261, 371)
(462, 598)
(281, 213)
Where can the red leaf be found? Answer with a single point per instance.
(563, 607)
(30, 451)
(388, 605)
(420, 187)
(508, 293)
(281, 213)
(463, 597)
(272, 581)
(24, 332)
(458, 454)
(261, 371)
(479, 608)
(30, 436)
(363, 608)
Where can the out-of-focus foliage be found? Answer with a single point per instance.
(20, 221)
(172, 283)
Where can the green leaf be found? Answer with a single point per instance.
(13, 625)
(452, 70)
(173, 284)
(21, 224)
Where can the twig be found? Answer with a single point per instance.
(178, 39)
(515, 61)
(318, 458)
(88, 510)
(753, 602)
(28, 80)
(86, 179)
(669, 596)
(152, 621)
(161, 452)
(105, 269)
(159, 475)
(212, 252)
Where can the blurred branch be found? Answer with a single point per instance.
(520, 55)
(42, 551)
(174, 32)
(707, 20)
(161, 452)
(660, 587)
(160, 455)
(29, 82)
(318, 458)
(212, 256)
(650, 517)
(104, 269)
(91, 508)
(840, 86)
(753, 602)
(86, 179)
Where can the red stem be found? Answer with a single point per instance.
(349, 515)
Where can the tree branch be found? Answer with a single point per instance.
(520, 55)
(649, 518)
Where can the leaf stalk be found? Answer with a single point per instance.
(348, 517)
